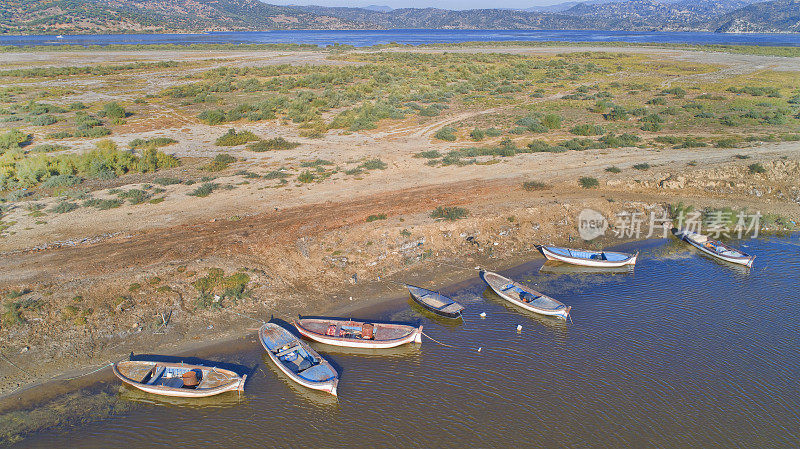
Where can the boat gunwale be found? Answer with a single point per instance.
(409, 337)
(437, 310)
(236, 383)
(557, 312)
(549, 254)
(328, 385)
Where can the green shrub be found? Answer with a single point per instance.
(588, 183)
(493, 132)
(48, 148)
(204, 190)
(155, 142)
(756, 169)
(277, 143)
(220, 162)
(232, 138)
(373, 164)
(166, 181)
(306, 177)
(657, 101)
(14, 139)
(447, 133)
(670, 140)
(728, 142)
(676, 91)
(430, 154)
(534, 185)
(477, 134)
(64, 207)
(372, 218)
(135, 196)
(214, 117)
(613, 169)
(114, 111)
(551, 121)
(42, 120)
(449, 213)
(642, 166)
(61, 181)
(587, 130)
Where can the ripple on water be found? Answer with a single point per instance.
(683, 352)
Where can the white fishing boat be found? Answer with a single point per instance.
(178, 379)
(525, 297)
(297, 360)
(358, 334)
(715, 248)
(587, 258)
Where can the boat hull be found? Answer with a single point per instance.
(329, 386)
(598, 263)
(415, 295)
(747, 260)
(235, 384)
(562, 312)
(414, 335)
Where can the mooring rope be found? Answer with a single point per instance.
(437, 341)
(86, 374)
(14, 364)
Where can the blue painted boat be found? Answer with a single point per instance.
(297, 360)
(588, 258)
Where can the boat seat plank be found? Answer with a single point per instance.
(287, 351)
(159, 371)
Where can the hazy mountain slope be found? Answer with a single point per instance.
(766, 17)
(154, 15)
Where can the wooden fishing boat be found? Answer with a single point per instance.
(588, 258)
(524, 297)
(553, 267)
(358, 334)
(435, 302)
(715, 248)
(178, 379)
(297, 360)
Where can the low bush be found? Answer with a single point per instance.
(204, 190)
(233, 138)
(642, 166)
(451, 213)
(155, 142)
(588, 182)
(756, 169)
(534, 185)
(430, 154)
(277, 143)
(377, 217)
(613, 169)
(61, 181)
(219, 163)
(477, 134)
(587, 130)
(166, 181)
(64, 207)
(447, 134)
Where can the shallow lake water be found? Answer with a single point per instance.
(362, 38)
(682, 352)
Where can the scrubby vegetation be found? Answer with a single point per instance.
(588, 182)
(277, 143)
(18, 170)
(451, 213)
(233, 138)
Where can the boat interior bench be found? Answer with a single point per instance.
(287, 351)
(154, 374)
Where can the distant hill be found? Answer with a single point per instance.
(75, 16)
(767, 17)
(149, 16)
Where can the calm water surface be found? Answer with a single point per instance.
(684, 352)
(373, 37)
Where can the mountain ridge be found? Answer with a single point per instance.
(193, 16)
